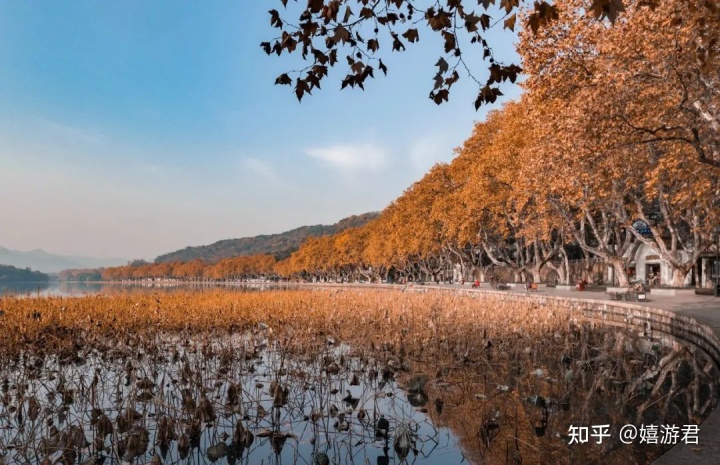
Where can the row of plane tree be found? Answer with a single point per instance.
(615, 126)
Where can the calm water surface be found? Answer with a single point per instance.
(228, 400)
(329, 400)
(70, 289)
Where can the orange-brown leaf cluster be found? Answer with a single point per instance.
(618, 125)
(245, 267)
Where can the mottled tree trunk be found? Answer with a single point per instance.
(679, 275)
(620, 272)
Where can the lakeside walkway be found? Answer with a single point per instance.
(705, 309)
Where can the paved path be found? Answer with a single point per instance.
(704, 309)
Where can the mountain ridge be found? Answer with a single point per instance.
(46, 262)
(281, 245)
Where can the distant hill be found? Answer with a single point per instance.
(51, 263)
(280, 245)
(10, 274)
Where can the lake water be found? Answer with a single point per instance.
(233, 399)
(70, 289)
(325, 399)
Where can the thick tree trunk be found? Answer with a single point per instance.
(535, 272)
(565, 267)
(620, 272)
(679, 275)
(589, 264)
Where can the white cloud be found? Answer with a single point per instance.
(260, 168)
(427, 151)
(350, 157)
(70, 134)
(150, 169)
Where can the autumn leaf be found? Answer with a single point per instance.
(348, 15)
(509, 23)
(275, 20)
(382, 67)
(607, 9)
(301, 88)
(440, 96)
(315, 6)
(283, 79)
(442, 65)
(411, 35)
(341, 34)
(373, 45)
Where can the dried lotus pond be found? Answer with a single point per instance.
(328, 377)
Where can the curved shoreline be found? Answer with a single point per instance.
(668, 322)
(689, 320)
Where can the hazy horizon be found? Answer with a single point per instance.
(52, 252)
(134, 129)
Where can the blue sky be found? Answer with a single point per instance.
(133, 128)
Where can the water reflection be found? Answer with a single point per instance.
(77, 289)
(25, 288)
(202, 401)
(184, 385)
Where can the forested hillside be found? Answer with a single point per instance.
(279, 245)
(9, 273)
